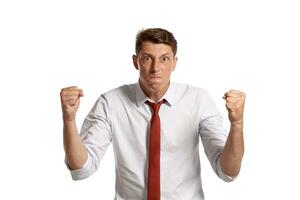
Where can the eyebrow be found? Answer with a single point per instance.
(164, 54)
(149, 54)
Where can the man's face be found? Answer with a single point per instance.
(155, 63)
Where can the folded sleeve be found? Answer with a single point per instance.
(212, 133)
(96, 135)
(83, 172)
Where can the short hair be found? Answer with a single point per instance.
(157, 36)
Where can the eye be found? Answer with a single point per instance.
(146, 58)
(165, 58)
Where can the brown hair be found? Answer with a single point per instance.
(157, 36)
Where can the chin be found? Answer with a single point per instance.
(156, 85)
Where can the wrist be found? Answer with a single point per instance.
(237, 124)
(68, 120)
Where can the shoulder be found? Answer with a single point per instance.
(120, 93)
(183, 89)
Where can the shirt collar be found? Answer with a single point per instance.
(141, 98)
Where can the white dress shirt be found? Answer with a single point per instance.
(122, 117)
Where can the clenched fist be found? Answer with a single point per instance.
(235, 101)
(70, 100)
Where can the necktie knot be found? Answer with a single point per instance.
(155, 106)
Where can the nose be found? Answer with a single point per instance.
(156, 66)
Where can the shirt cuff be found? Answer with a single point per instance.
(83, 172)
(221, 174)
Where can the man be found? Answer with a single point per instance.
(154, 126)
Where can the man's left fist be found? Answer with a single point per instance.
(235, 101)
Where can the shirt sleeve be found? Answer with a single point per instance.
(81, 173)
(96, 135)
(213, 135)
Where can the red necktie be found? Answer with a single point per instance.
(154, 154)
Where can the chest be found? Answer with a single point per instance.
(178, 125)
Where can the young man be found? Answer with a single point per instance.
(154, 126)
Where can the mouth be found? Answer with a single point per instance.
(155, 76)
(155, 79)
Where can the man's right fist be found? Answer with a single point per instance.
(70, 102)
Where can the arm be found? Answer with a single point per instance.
(232, 155)
(76, 152)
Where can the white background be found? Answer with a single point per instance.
(252, 46)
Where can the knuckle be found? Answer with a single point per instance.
(62, 91)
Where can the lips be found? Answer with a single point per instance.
(154, 76)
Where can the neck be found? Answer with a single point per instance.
(154, 92)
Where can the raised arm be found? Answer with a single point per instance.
(76, 152)
(232, 155)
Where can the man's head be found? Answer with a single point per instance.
(156, 36)
(155, 57)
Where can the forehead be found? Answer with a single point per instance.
(153, 48)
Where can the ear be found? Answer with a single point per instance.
(135, 61)
(175, 62)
